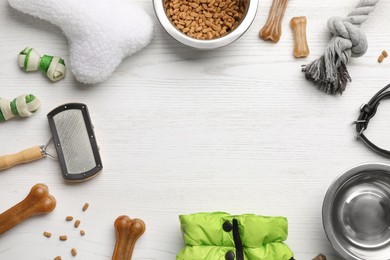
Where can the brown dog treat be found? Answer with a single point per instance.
(127, 233)
(319, 257)
(69, 218)
(57, 258)
(47, 234)
(63, 238)
(381, 58)
(385, 54)
(77, 223)
(73, 252)
(37, 202)
(85, 207)
(272, 30)
(82, 232)
(298, 26)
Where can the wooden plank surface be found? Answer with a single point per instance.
(180, 131)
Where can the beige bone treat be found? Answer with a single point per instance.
(298, 26)
(272, 29)
(127, 233)
(37, 202)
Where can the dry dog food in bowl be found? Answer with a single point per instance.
(205, 24)
(205, 19)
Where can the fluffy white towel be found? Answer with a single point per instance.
(101, 33)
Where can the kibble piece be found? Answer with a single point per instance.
(381, 58)
(82, 232)
(63, 238)
(47, 234)
(57, 258)
(85, 207)
(77, 223)
(74, 252)
(69, 218)
(385, 54)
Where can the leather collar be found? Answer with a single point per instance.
(368, 111)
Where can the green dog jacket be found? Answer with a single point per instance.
(221, 236)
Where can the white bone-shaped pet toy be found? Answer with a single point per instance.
(101, 33)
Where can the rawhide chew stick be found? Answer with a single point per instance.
(298, 26)
(272, 29)
(37, 202)
(127, 233)
(52, 66)
(22, 106)
(329, 72)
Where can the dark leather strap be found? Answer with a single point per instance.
(368, 111)
(237, 241)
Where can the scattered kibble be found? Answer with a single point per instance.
(77, 223)
(74, 252)
(47, 234)
(82, 232)
(385, 54)
(69, 218)
(57, 258)
(381, 58)
(85, 207)
(63, 238)
(205, 19)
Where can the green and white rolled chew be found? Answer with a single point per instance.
(52, 66)
(22, 106)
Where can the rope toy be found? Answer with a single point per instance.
(22, 106)
(329, 72)
(53, 67)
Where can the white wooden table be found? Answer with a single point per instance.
(238, 129)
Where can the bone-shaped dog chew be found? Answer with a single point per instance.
(298, 26)
(320, 257)
(272, 29)
(37, 202)
(127, 233)
(100, 33)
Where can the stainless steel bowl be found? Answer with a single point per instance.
(207, 44)
(356, 213)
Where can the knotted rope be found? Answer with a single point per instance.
(22, 106)
(53, 67)
(329, 72)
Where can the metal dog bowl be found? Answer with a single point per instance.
(232, 36)
(356, 213)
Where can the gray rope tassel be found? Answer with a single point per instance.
(329, 72)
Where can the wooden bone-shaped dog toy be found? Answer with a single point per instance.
(127, 233)
(37, 202)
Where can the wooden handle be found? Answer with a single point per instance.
(38, 201)
(127, 233)
(27, 155)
